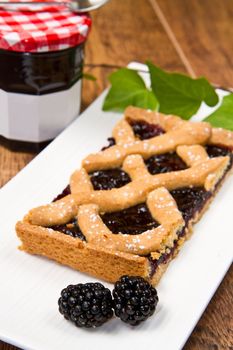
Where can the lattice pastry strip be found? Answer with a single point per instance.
(161, 205)
(202, 173)
(218, 136)
(88, 205)
(114, 156)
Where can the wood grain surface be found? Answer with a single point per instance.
(194, 36)
(204, 31)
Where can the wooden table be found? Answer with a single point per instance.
(190, 36)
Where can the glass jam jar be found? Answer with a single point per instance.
(41, 60)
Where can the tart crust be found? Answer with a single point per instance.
(110, 256)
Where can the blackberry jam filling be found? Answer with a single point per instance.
(64, 193)
(71, 229)
(163, 259)
(131, 221)
(220, 151)
(115, 178)
(109, 179)
(190, 200)
(111, 142)
(144, 130)
(102, 180)
(138, 219)
(164, 163)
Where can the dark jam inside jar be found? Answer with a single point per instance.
(40, 73)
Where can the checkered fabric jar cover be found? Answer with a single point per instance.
(49, 28)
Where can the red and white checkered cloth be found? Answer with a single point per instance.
(47, 29)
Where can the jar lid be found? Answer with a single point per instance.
(47, 29)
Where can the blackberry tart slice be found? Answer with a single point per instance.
(131, 206)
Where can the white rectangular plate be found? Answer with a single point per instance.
(30, 285)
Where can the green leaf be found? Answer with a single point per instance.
(128, 88)
(179, 94)
(223, 116)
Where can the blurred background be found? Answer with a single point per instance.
(190, 36)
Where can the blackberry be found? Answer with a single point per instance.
(134, 299)
(86, 305)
